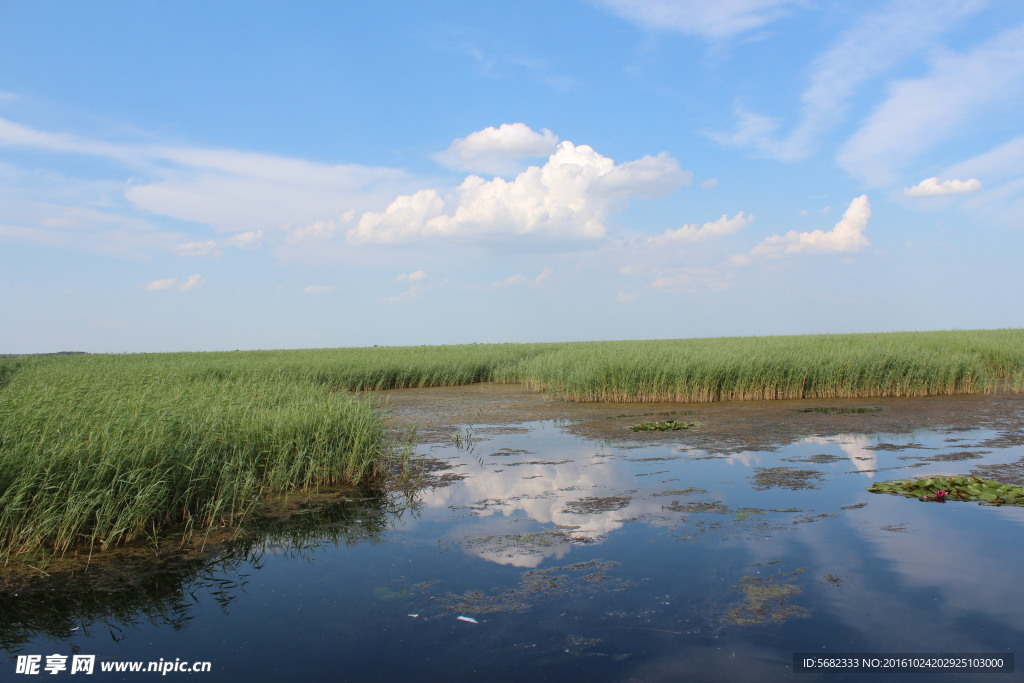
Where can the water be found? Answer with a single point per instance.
(549, 555)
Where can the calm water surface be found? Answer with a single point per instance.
(546, 555)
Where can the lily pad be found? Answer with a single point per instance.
(967, 488)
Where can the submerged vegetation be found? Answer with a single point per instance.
(101, 449)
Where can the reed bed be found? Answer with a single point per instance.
(96, 453)
(101, 449)
(765, 368)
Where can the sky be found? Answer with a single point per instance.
(196, 176)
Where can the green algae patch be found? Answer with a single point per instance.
(663, 426)
(941, 489)
(766, 599)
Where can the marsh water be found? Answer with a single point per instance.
(545, 540)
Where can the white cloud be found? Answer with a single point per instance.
(1000, 163)
(847, 236)
(228, 190)
(692, 232)
(498, 150)
(569, 197)
(194, 281)
(709, 183)
(517, 279)
(250, 239)
(414, 276)
(929, 187)
(317, 289)
(697, 277)
(162, 285)
(520, 279)
(409, 295)
(719, 19)
(624, 298)
(318, 231)
(207, 248)
(873, 45)
(922, 113)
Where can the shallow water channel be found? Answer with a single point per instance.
(547, 541)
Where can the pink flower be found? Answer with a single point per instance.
(940, 495)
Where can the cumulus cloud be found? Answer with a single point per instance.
(194, 281)
(929, 187)
(922, 113)
(497, 150)
(847, 236)
(720, 19)
(691, 232)
(569, 197)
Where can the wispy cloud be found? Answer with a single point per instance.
(173, 284)
(226, 190)
(317, 289)
(868, 49)
(250, 239)
(408, 296)
(719, 19)
(520, 279)
(930, 187)
(922, 113)
(414, 276)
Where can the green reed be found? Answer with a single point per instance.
(101, 449)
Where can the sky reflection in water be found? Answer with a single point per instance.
(581, 558)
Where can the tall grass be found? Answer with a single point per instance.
(97, 452)
(101, 449)
(759, 368)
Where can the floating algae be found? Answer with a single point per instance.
(939, 489)
(765, 599)
(663, 426)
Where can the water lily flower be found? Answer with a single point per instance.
(940, 495)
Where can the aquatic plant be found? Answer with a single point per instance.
(96, 453)
(99, 449)
(968, 488)
(663, 426)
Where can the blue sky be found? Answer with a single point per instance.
(236, 175)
